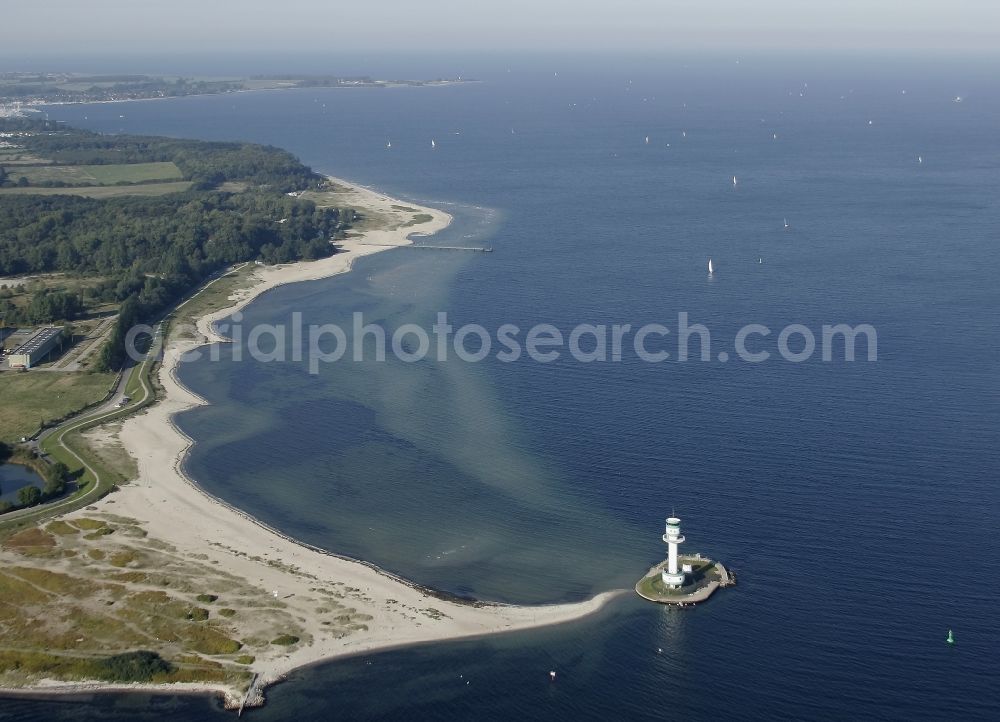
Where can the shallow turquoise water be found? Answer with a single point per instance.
(856, 500)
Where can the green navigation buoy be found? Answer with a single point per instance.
(951, 637)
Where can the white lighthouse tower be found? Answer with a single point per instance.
(672, 576)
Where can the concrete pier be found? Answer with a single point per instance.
(480, 249)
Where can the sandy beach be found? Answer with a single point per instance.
(172, 508)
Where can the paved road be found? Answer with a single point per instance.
(107, 409)
(96, 338)
(117, 394)
(111, 404)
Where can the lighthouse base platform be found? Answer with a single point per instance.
(701, 582)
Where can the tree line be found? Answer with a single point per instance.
(149, 251)
(207, 163)
(45, 306)
(54, 479)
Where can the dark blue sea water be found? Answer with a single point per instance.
(857, 501)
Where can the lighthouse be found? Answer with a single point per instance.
(683, 581)
(672, 576)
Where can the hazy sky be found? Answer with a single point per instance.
(103, 26)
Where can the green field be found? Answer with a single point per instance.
(28, 398)
(10, 157)
(95, 472)
(145, 189)
(99, 175)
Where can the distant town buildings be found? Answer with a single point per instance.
(11, 110)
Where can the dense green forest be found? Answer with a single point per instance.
(206, 163)
(45, 306)
(177, 234)
(149, 251)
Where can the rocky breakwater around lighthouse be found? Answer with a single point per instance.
(705, 577)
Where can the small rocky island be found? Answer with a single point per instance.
(682, 580)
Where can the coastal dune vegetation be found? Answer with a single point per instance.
(89, 598)
(146, 579)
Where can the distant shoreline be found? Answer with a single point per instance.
(30, 104)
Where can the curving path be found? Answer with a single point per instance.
(107, 411)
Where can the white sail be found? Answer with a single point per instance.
(734, 180)
(647, 140)
(711, 268)
(786, 222)
(433, 144)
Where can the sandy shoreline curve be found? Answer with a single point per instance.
(173, 508)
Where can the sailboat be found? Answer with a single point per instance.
(786, 222)
(951, 637)
(684, 134)
(433, 144)
(388, 145)
(734, 181)
(711, 268)
(647, 140)
(920, 159)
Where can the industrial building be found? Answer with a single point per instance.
(16, 338)
(35, 349)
